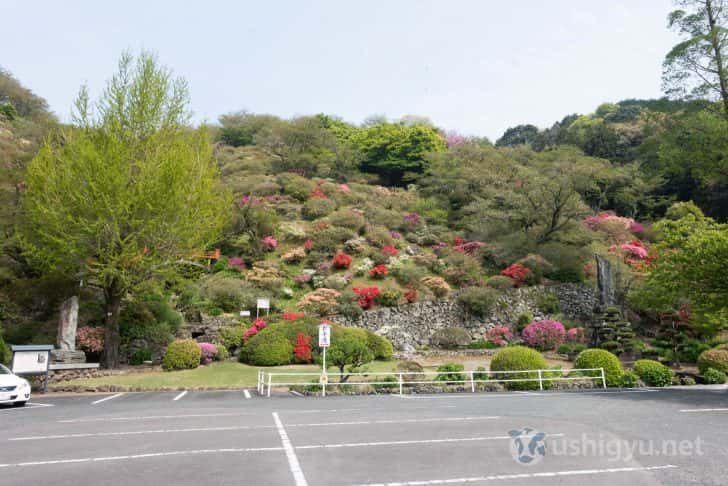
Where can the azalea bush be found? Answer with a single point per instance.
(208, 351)
(257, 325)
(499, 335)
(269, 243)
(90, 339)
(544, 335)
(320, 302)
(342, 261)
(236, 263)
(390, 250)
(379, 271)
(576, 335)
(518, 273)
(292, 316)
(411, 295)
(366, 296)
(302, 348)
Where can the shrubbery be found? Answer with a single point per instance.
(544, 335)
(228, 294)
(273, 350)
(450, 372)
(500, 282)
(629, 380)
(518, 358)
(548, 303)
(380, 346)
(208, 351)
(388, 297)
(600, 358)
(713, 358)
(411, 367)
(182, 354)
(479, 301)
(714, 377)
(5, 353)
(653, 373)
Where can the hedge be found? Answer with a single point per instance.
(515, 358)
(183, 354)
(653, 373)
(600, 358)
(713, 358)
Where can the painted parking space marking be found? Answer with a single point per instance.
(395, 421)
(28, 406)
(699, 410)
(151, 417)
(293, 463)
(247, 394)
(142, 456)
(536, 475)
(179, 396)
(111, 397)
(522, 394)
(410, 442)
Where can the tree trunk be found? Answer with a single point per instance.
(719, 61)
(112, 339)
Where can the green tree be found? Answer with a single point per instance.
(518, 135)
(349, 351)
(125, 193)
(394, 150)
(696, 67)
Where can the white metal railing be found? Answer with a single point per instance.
(266, 380)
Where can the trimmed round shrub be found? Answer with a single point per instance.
(714, 377)
(544, 335)
(182, 354)
(479, 301)
(450, 372)
(524, 319)
(451, 338)
(713, 358)
(653, 373)
(518, 358)
(274, 350)
(600, 358)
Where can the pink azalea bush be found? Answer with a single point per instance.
(499, 335)
(258, 324)
(544, 335)
(269, 243)
(576, 335)
(237, 263)
(207, 352)
(90, 338)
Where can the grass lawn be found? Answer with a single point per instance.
(216, 375)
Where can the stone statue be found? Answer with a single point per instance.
(66, 342)
(67, 325)
(606, 282)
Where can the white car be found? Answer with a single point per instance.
(13, 389)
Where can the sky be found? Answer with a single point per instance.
(475, 67)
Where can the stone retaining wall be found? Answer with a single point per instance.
(412, 325)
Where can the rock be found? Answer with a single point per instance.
(67, 325)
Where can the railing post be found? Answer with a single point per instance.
(472, 381)
(323, 386)
(540, 381)
(270, 379)
(400, 383)
(604, 379)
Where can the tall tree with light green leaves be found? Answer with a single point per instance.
(117, 199)
(697, 67)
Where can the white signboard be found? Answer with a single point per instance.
(324, 336)
(263, 303)
(244, 313)
(30, 362)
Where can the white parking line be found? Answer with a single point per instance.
(410, 442)
(28, 406)
(179, 396)
(395, 421)
(500, 477)
(697, 410)
(521, 394)
(151, 417)
(107, 398)
(141, 456)
(293, 464)
(247, 394)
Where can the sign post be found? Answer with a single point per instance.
(262, 304)
(324, 341)
(31, 360)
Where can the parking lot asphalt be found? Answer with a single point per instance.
(605, 437)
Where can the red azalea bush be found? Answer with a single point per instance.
(379, 271)
(390, 250)
(302, 349)
(411, 295)
(258, 324)
(544, 335)
(499, 335)
(366, 296)
(308, 244)
(518, 273)
(469, 247)
(207, 353)
(292, 316)
(90, 338)
(317, 193)
(342, 260)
